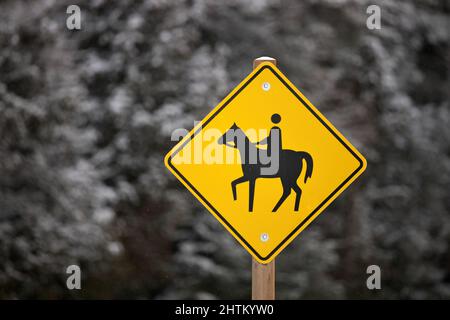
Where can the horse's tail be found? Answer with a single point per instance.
(309, 163)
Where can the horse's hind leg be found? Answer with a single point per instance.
(286, 192)
(298, 194)
(234, 183)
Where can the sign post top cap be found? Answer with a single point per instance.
(260, 60)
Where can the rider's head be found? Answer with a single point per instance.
(276, 118)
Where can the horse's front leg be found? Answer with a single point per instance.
(236, 182)
(251, 194)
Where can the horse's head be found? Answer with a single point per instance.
(230, 135)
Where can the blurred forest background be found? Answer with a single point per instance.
(86, 118)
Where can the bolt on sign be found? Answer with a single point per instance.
(265, 162)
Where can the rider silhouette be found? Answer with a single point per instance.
(271, 159)
(274, 136)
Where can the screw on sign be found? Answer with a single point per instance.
(276, 164)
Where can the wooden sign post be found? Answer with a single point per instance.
(263, 280)
(263, 275)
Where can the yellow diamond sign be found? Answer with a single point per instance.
(265, 162)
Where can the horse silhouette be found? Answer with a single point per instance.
(289, 168)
